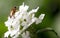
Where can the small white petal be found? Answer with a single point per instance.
(17, 13)
(6, 34)
(39, 20)
(23, 7)
(33, 10)
(25, 35)
(41, 16)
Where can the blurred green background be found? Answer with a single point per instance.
(48, 7)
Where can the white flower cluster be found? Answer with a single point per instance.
(24, 19)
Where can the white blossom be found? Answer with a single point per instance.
(26, 34)
(24, 19)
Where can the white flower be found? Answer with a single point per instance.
(23, 7)
(9, 21)
(26, 34)
(22, 18)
